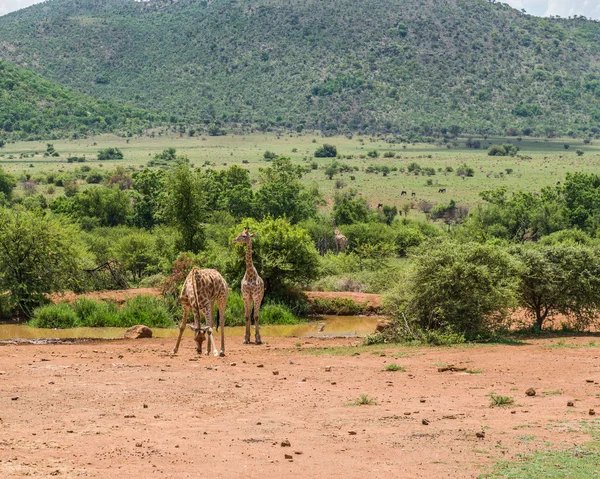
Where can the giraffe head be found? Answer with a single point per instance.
(244, 237)
(199, 334)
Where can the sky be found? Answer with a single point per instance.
(563, 8)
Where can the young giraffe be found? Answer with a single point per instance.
(253, 287)
(340, 240)
(201, 289)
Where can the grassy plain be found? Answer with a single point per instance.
(541, 162)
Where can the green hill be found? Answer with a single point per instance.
(401, 66)
(31, 106)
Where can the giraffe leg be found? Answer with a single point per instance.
(211, 339)
(247, 313)
(186, 310)
(257, 302)
(222, 326)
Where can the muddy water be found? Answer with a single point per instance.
(325, 326)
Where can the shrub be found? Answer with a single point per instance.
(270, 155)
(464, 170)
(462, 288)
(110, 154)
(147, 310)
(51, 316)
(92, 314)
(326, 151)
(273, 313)
(579, 152)
(338, 306)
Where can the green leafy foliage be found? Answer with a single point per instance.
(336, 66)
(465, 288)
(33, 107)
(110, 154)
(561, 279)
(39, 254)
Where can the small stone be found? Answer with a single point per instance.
(145, 406)
(303, 380)
(275, 373)
(289, 456)
(15, 398)
(260, 366)
(480, 435)
(138, 332)
(238, 385)
(530, 392)
(571, 404)
(425, 422)
(129, 416)
(591, 412)
(138, 444)
(407, 413)
(286, 443)
(259, 423)
(298, 452)
(333, 383)
(589, 380)
(352, 433)
(70, 431)
(232, 364)
(422, 400)
(328, 369)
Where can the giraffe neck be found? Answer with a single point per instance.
(250, 270)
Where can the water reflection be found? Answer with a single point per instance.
(325, 326)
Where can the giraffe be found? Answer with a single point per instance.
(253, 288)
(340, 240)
(201, 289)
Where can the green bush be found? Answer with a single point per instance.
(50, 316)
(95, 314)
(467, 288)
(84, 312)
(147, 310)
(338, 306)
(277, 314)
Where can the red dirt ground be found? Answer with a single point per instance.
(128, 409)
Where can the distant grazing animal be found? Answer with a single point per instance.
(379, 206)
(341, 242)
(413, 194)
(201, 289)
(557, 183)
(403, 193)
(253, 288)
(442, 190)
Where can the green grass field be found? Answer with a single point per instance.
(549, 162)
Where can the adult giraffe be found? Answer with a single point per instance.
(200, 290)
(253, 288)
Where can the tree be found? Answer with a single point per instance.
(110, 154)
(389, 213)
(467, 288)
(101, 207)
(148, 186)
(326, 151)
(579, 152)
(281, 193)
(331, 170)
(283, 254)
(349, 209)
(7, 184)
(39, 254)
(559, 279)
(185, 207)
(135, 253)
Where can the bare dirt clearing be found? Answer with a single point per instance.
(127, 408)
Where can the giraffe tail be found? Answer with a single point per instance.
(218, 318)
(252, 315)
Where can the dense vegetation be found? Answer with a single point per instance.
(33, 107)
(451, 276)
(401, 66)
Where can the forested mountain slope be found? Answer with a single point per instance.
(341, 65)
(31, 106)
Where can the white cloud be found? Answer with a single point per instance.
(563, 8)
(7, 6)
